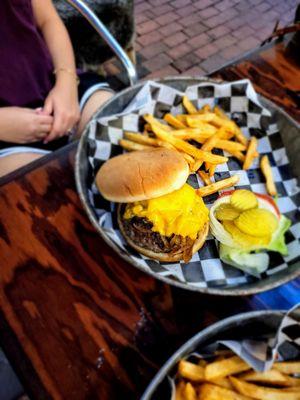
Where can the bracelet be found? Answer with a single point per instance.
(68, 71)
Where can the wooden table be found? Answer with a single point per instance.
(77, 322)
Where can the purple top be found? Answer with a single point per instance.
(25, 63)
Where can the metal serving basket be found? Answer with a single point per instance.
(289, 130)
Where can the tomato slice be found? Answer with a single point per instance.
(262, 196)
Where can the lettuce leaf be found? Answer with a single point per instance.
(252, 263)
(277, 242)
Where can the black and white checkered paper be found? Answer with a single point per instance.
(261, 353)
(240, 102)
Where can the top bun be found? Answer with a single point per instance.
(142, 175)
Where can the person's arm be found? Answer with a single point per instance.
(62, 101)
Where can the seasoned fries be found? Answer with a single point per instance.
(267, 171)
(250, 155)
(222, 378)
(220, 185)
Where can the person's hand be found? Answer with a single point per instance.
(62, 103)
(24, 125)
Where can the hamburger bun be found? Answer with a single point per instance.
(142, 175)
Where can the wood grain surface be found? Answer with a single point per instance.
(77, 322)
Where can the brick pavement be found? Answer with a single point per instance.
(194, 37)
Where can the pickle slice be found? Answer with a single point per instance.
(225, 212)
(243, 200)
(257, 222)
(244, 240)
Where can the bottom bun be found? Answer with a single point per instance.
(164, 257)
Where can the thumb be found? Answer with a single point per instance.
(48, 107)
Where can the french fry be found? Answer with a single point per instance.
(147, 128)
(132, 146)
(187, 147)
(215, 187)
(223, 368)
(250, 153)
(211, 169)
(189, 106)
(205, 109)
(267, 171)
(209, 391)
(229, 145)
(271, 377)
(187, 157)
(173, 121)
(197, 164)
(205, 177)
(237, 154)
(240, 136)
(211, 142)
(220, 113)
(203, 132)
(223, 382)
(179, 391)
(141, 139)
(288, 367)
(263, 393)
(148, 118)
(191, 371)
(181, 118)
(202, 362)
(189, 392)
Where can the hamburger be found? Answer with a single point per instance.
(159, 214)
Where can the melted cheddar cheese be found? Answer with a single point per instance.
(181, 212)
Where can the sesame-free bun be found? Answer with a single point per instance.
(142, 175)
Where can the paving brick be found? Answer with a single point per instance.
(195, 29)
(158, 2)
(185, 11)
(175, 39)
(218, 32)
(157, 62)
(248, 43)
(231, 52)
(201, 4)
(164, 72)
(180, 3)
(194, 71)
(190, 20)
(212, 63)
(142, 7)
(224, 5)
(167, 18)
(158, 11)
(146, 27)
(153, 49)
(140, 18)
(186, 62)
(263, 7)
(208, 12)
(236, 23)
(243, 32)
(225, 41)
(179, 51)
(170, 29)
(147, 39)
(207, 51)
(199, 41)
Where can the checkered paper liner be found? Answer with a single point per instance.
(259, 353)
(240, 102)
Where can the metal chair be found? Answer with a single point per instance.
(92, 18)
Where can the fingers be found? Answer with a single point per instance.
(63, 122)
(48, 107)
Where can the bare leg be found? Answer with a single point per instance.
(91, 106)
(14, 161)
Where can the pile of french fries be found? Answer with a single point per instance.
(195, 135)
(230, 378)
